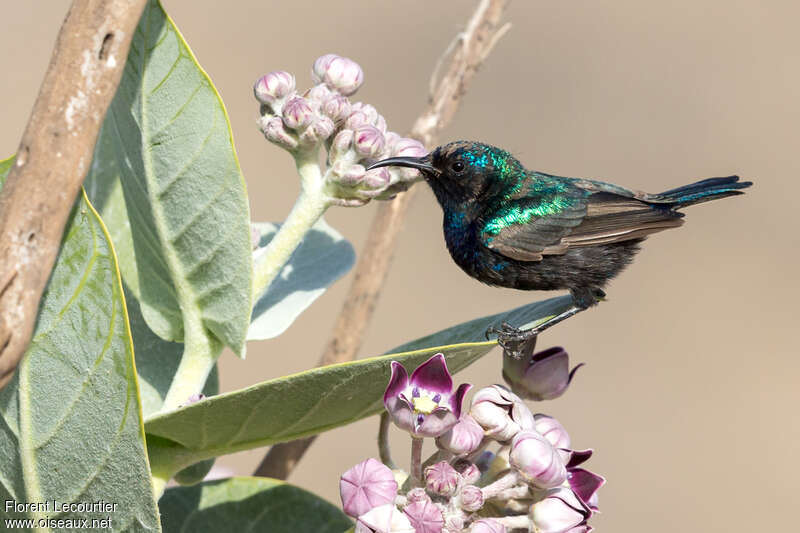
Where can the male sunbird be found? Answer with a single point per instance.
(512, 227)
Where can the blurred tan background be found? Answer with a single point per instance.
(690, 393)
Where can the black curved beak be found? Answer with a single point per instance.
(422, 164)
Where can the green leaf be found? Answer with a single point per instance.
(183, 189)
(315, 400)
(248, 504)
(323, 257)
(104, 189)
(70, 422)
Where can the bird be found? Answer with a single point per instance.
(508, 226)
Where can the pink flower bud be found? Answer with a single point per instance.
(380, 123)
(320, 67)
(339, 73)
(541, 376)
(348, 174)
(319, 130)
(406, 147)
(453, 523)
(463, 438)
(356, 119)
(500, 412)
(318, 95)
(487, 525)
(273, 86)
(297, 113)
(417, 494)
(442, 478)
(336, 107)
(552, 430)
(384, 519)
(376, 181)
(424, 516)
(536, 460)
(391, 139)
(276, 133)
(471, 498)
(367, 485)
(342, 142)
(368, 141)
(560, 512)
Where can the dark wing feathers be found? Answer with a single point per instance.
(599, 218)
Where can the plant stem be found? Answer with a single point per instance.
(383, 441)
(200, 352)
(503, 483)
(416, 460)
(308, 208)
(514, 522)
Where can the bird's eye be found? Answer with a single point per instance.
(457, 166)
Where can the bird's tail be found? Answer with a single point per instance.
(701, 191)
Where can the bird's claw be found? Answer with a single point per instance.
(511, 339)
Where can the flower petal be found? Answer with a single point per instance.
(433, 375)
(397, 382)
(578, 457)
(585, 484)
(457, 399)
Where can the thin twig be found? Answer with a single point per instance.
(477, 40)
(53, 157)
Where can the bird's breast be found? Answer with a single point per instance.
(459, 234)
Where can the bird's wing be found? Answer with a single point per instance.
(526, 229)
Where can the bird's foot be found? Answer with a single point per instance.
(512, 339)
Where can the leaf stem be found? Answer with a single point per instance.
(308, 208)
(199, 355)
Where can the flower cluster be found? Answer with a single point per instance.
(354, 133)
(533, 481)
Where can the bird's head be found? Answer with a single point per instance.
(463, 171)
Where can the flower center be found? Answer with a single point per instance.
(423, 402)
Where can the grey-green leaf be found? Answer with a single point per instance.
(248, 504)
(70, 421)
(315, 400)
(183, 188)
(323, 257)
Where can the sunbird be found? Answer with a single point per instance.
(508, 226)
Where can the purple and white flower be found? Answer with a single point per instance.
(424, 404)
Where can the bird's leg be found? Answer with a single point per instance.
(511, 338)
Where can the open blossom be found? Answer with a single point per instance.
(367, 485)
(424, 404)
